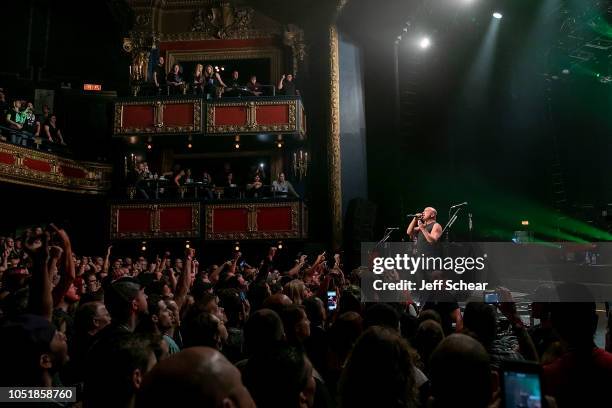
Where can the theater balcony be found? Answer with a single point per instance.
(167, 115)
(217, 220)
(25, 166)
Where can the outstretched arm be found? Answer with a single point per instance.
(106, 264)
(182, 286)
(68, 273)
(40, 300)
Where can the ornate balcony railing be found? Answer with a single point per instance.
(224, 116)
(210, 220)
(30, 167)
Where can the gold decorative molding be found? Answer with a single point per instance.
(293, 37)
(333, 140)
(154, 221)
(96, 178)
(298, 221)
(251, 112)
(158, 117)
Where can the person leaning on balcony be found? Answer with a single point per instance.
(176, 84)
(53, 133)
(254, 87)
(198, 80)
(282, 188)
(31, 125)
(255, 189)
(213, 84)
(286, 86)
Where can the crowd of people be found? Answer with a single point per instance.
(176, 183)
(20, 124)
(172, 332)
(207, 81)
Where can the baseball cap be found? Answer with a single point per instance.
(121, 293)
(29, 332)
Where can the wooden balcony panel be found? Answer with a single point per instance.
(152, 221)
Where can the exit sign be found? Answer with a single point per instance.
(92, 87)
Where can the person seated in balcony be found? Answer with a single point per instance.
(52, 132)
(282, 187)
(31, 125)
(198, 80)
(207, 185)
(230, 187)
(235, 81)
(255, 189)
(254, 87)
(286, 86)
(142, 176)
(176, 84)
(159, 76)
(213, 84)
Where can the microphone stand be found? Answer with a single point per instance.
(450, 223)
(388, 232)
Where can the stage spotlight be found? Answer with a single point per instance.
(237, 246)
(187, 244)
(279, 144)
(237, 145)
(497, 15)
(280, 245)
(149, 146)
(525, 223)
(425, 43)
(189, 146)
(261, 165)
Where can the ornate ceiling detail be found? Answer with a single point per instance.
(223, 21)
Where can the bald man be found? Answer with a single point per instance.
(195, 377)
(425, 228)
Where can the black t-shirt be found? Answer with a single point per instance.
(172, 77)
(53, 132)
(288, 88)
(161, 74)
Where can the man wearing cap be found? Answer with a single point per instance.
(126, 302)
(32, 351)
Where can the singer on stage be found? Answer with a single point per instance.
(427, 232)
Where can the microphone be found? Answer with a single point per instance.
(413, 215)
(392, 228)
(459, 205)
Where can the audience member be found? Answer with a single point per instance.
(460, 374)
(286, 86)
(580, 377)
(174, 79)
(283, 188)
(52, 132)
(383, 354)
(291, 374)
(196, 377)
(159, 76)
